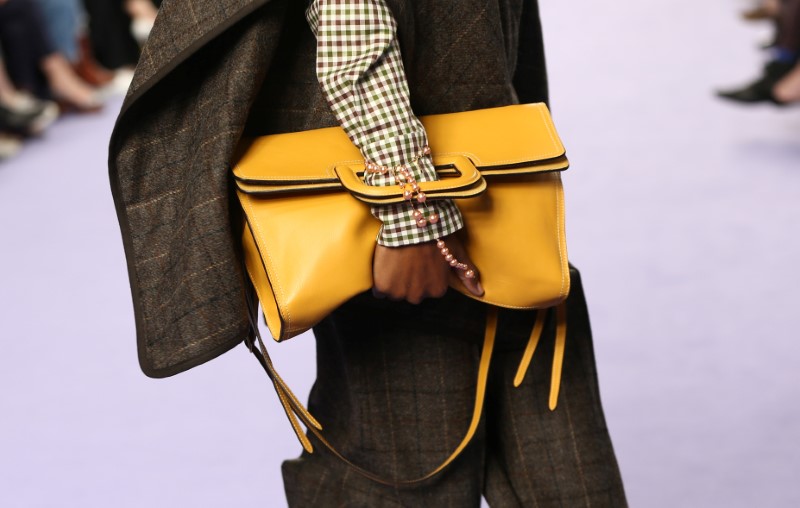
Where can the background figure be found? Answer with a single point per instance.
(765, 9)
(47, 55)
(66, 23)
(143, 15)
(64, 19)
(112, 24)
(35, 64)
(110, 35)
(21, 114)
(10, 144)
(787, 90)
(780, 80)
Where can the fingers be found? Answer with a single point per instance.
(422, 271)
(414, 295)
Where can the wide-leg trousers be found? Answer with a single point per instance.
(395, 391)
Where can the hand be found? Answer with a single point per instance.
(416, 272)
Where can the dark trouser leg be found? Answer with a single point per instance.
(789, 26)
(394, 391)
(25, 44)
(110, 33)
(536, 457)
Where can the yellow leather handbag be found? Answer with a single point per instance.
(309, 236)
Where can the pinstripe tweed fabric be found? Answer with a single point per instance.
(361, 72)
(169, 170)
(395, 390)
(213, 69)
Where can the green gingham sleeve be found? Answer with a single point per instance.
(360, 69)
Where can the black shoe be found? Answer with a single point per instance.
(752, 94)
(30, 117)
(760, 90)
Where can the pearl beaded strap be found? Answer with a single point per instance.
(408, 184)
(452, 261)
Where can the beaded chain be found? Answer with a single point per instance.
(408, 185)
(452, 261)
(411, 192)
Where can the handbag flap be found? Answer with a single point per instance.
(519, 138)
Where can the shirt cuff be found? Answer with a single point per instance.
(400, 228)
(399, 225)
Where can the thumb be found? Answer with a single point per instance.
(473, 284)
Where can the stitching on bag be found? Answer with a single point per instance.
(469, 155)
(252, 277)
(550, 133)
(274, 281)
(332, 168)
(329, 171)
(287, 405)
(505, 305)
(561, 254)
(548, 127)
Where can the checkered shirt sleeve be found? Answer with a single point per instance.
(360, 69)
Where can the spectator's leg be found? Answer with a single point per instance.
(788, 89)
(789, 28)
(68, 87)
(63, 19)
(110, 33)
(7, 90)
(25, 45)
(21, 113)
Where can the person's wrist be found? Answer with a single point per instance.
(399, 226)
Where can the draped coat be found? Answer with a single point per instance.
(215, 70)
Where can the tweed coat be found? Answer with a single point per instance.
(213, 70)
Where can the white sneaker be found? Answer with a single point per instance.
(9, 146)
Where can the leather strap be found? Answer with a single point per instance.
(296, 411)
(558, 352)
(533, 341)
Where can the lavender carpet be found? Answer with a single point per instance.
(683, 217)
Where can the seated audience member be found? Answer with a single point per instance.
(34, 63)
(66, 24)
(9, 145)
(143, 15)
(20, 115)
(117, 28)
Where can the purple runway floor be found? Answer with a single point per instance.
(683, 217)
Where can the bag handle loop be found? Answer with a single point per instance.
(468, 182)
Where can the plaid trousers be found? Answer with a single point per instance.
(395, 390)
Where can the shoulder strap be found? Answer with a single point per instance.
(296, 411)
